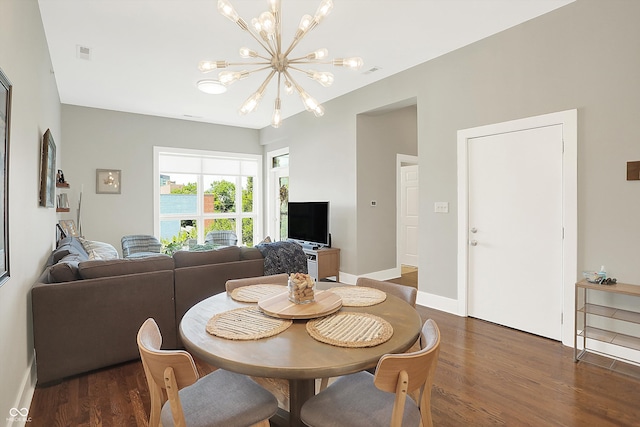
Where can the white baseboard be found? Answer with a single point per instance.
(437, 302)
(24, 397)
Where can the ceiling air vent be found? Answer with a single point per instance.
(83, 52)
(372, 70)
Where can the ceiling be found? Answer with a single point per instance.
(144, 53)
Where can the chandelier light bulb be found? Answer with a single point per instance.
(326, 6)
(229, 77)
(226, 9)
(319, 111)
(268, 23)
(207, 66)
(276, 120)
(245, 52)
(354, 63)
(323, 77)
(274, 5)
(318, 54)
(288, 87)
(305, 23)
(251, 103)
(310, 104)
(256, 25)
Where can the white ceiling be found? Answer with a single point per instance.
(145, 53)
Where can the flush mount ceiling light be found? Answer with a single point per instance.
(213, 87)
(267, 31)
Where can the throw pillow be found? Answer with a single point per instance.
(265, 240)
(99, 250)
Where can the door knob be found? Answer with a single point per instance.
(474, 230)
(474, 243)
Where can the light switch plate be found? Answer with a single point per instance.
(441, 207)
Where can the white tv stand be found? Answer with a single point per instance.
(323, 262)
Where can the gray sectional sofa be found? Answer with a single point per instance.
(86, 313)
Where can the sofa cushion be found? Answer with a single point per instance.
(249, 253)
(99, 250)
(120, 267)
(216, 256)
(66, 246)
(66, 270)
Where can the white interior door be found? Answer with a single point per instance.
(408, 250)
(515, 229)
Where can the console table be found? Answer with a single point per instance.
(324, 262)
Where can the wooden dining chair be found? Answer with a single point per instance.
(180, 398)
(275, 279)
(366, 400)
(405, 293)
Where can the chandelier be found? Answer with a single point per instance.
(267, 31)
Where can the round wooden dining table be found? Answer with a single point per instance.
(293, 354)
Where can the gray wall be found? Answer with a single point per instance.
(380, 137)
(103, 139)
(24, 57)
(584, 56)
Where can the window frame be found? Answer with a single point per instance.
(201, 216)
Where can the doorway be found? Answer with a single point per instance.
(408, 203)
(517, 223)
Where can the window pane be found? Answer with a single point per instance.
(177, 231)
(178, 194)
(280, 161)
(219, 194)
(247, 194)
(247, 231)
(219, 224)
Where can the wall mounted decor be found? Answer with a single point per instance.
(5, 116)
(108, 181)
(633, 171)
(48, 171)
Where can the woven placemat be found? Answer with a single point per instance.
(246, 323)
(359, 296)
(350, 330)
(254, 292)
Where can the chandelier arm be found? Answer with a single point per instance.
(235, 64)
(264, 84)
(292, 80)
(265, 46)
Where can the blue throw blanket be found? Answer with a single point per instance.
(283, 257)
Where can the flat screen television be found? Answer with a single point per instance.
(308, 223)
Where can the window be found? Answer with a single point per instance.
(200, 191)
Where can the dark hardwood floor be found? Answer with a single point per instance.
(487, 375)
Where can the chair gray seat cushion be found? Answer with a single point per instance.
(224, 399)
(355, 402)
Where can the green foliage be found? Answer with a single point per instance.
(177, 242)
(189, 188)
(225, 196)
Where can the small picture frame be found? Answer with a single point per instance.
(108, 181)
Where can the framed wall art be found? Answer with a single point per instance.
(48, 171)
(5, 120)
(108, 181)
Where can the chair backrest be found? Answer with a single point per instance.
(275, 279)
(406, 372)
(170, 370)
(406, 293)
(137, 243)
(221, 237)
